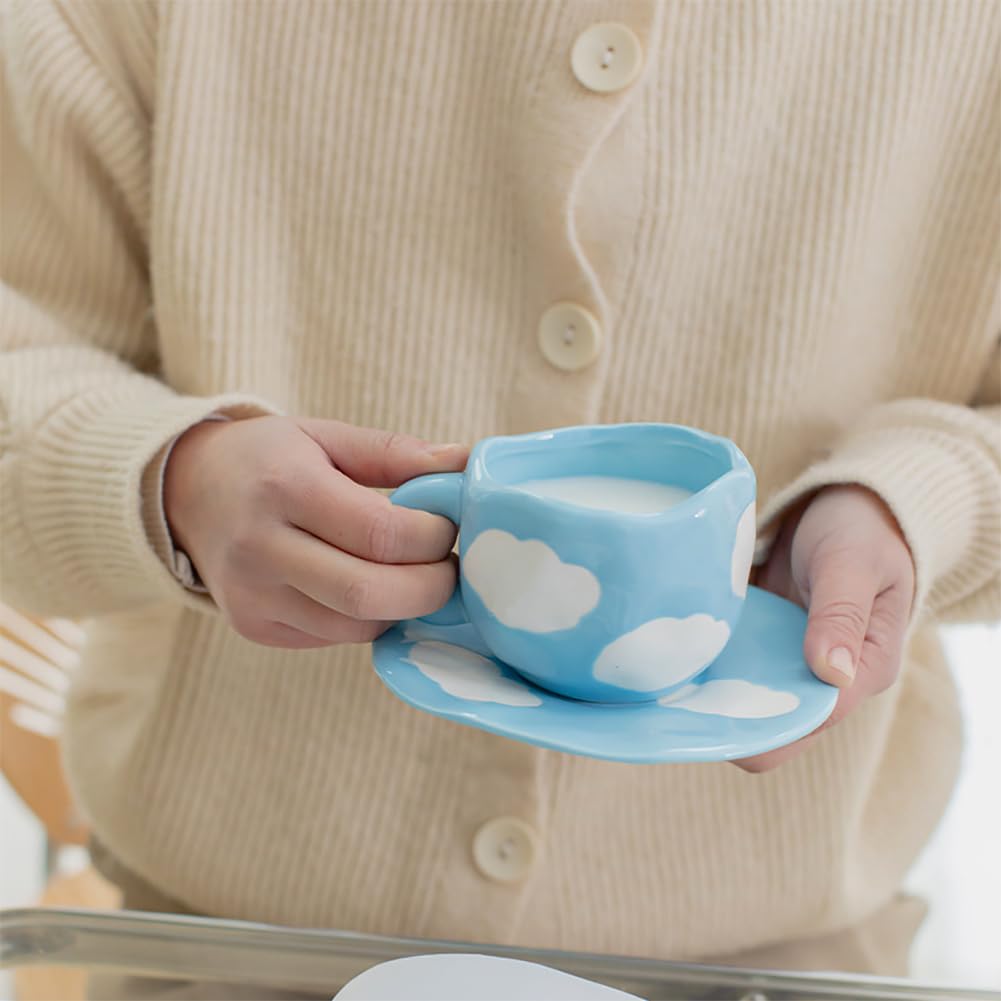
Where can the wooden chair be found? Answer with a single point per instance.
(37, 659)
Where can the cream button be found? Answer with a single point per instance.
(569, 336)
(504, 849)
(606, 57)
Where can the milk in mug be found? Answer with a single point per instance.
(609, 493)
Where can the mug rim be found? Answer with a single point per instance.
(478, 471)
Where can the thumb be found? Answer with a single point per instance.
(377, 458)
(841, 596)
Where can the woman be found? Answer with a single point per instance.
(774, 221)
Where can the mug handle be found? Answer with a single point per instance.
(437, 493)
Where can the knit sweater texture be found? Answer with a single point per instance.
(787, 229)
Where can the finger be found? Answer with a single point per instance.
(760, 763)
(382, 458)
(775, 574)
(848, 699)
(879, 665)
(277, 634)
(258, 628)
(300, 612)
(841, 591)
(365, 523)
(882, 651)
(363, 590)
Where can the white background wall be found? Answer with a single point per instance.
(959, 874)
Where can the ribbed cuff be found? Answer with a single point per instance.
(942, 485)
(154, 516)
(89, 501)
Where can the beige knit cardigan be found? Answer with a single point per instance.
(787, 230)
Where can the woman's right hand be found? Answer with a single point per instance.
(277, 518)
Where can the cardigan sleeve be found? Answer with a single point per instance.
(83, 409)
(937, 466)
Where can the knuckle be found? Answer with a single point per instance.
(305, 488)
(358, 598)
(388, 442)
(243, 543)
(282, 481)
(272, 484)
(250, 626)
(382, 534)
(845, 615)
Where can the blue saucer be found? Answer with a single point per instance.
(758, 695)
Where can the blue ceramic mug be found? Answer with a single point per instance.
(602, 603)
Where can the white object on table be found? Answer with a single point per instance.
(468, 977)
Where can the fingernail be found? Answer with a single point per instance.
(453, 446)
(840, 658)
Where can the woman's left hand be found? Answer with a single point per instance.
(842, 557)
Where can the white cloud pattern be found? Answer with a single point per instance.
(743, 552)
(466, 675)
(732, 697)
(662, 652)
(526, 585)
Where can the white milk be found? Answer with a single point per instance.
(609, 493)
